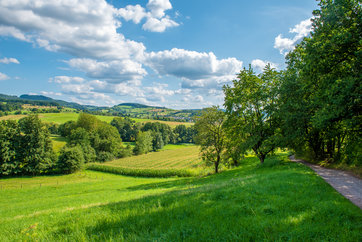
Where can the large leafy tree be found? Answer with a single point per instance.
(211, 135)
(323, 84)
(251, 105)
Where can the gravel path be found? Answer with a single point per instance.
(346, 184)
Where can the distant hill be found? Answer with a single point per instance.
(36, 97)
(135, 110)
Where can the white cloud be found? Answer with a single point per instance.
(285, 45)
(157, 20)
(115, 71)
(159, 25)
(132, 12)
(66, 79)
(6, 60)
(260, 64)
(191, 65)
(3, 77)
(158, 7)
(86, 28)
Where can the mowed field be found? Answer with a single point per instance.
(60, 118)
(182, 158)
(277, 201)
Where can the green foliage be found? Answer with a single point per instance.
(9, 146)
(66, 128)
(184, 134)
(320, 96)
(211, 135)
(36, 153)
(143, 143)
(25, 147)
(71, 159)
(126, 128)
(251, 105)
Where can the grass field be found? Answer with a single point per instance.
(276, 201)
(60, 118)
(182, 158)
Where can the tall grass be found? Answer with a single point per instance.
(142, 172)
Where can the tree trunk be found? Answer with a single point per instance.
(217, 164)
(262, 158)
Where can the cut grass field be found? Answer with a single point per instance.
(177, 160)
(276, 201)
(60, 118)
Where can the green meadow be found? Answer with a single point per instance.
(278, 201)
(60, 118)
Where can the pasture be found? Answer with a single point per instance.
(278, 201)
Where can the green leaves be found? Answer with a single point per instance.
(251, 105)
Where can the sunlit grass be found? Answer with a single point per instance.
(277, 201)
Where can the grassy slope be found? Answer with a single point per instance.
(276, 201)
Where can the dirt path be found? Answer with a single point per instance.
(346, 184)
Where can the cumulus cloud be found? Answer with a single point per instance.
(85, 28)
(6, 60)
(132, 12)
(159, 25)
(156, 19)
(191, 65)
(260, 64)
(115, 71)
(285, 45)
(197, 70)
(3, 77)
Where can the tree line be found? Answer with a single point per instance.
(312, 107)
(26, 147)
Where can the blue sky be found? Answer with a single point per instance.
(173, 53)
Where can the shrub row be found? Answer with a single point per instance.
(141, 172)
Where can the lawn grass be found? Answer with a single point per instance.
(276, 201)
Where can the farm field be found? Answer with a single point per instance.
(174, 160)
(182, 158)
(60, 118)
(279, 200)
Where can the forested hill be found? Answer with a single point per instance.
(9, 103)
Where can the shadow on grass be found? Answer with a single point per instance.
(261, 208)
(282, 202)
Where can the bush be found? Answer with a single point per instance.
(71, 159)
(104, 156)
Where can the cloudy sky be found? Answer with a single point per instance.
(173, 53)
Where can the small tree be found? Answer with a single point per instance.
(36, 153)
(143, 143)
(210, 135)
(251, 105)
(71, 159)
